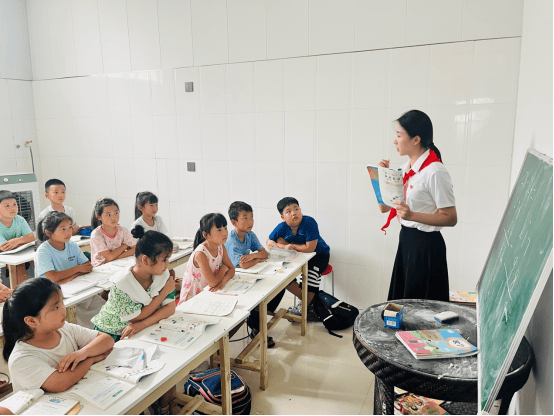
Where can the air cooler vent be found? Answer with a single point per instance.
(25, 203)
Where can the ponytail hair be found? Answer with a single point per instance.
(142, 199)
(98, 209)
(151, 243)
(206, 224)
(27, 299)
(417, 123)
(50, 222)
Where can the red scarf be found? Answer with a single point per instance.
(430, 159)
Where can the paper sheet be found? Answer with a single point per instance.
(132, 375)
(204, 306)
(132, 357)
(237, 285)
(189, 322)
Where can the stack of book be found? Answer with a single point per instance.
(436, 343)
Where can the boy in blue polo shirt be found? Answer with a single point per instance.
(301, 233)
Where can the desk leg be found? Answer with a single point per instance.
(13, 276)
(225, 363)
(264, 378)
(383, 398)
(303, 322)
(18, 274)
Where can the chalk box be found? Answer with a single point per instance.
(393, 315)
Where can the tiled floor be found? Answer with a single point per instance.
(315, 374)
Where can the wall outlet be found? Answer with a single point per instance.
(189, 87)
(191, 167)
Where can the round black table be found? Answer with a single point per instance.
(453, 380)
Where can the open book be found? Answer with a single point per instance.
(132, 375)
(18, 249)
(387, 184)
(100, 390)
(238, 285)
(34, 402)
(179, 331)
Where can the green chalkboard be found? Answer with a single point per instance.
(515, 273)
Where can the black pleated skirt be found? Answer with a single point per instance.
(420, 269)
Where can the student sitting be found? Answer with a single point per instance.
(58, 258)
(55, 192)
(14, 230)
(42, 350)
(301, 233)
(109, 241)
(245, 251)
(146, 208)
(142, 295)
(209, 264)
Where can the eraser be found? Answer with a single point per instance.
(445, 317)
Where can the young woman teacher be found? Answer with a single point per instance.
(420, 270)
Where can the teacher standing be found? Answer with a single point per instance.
(420, 269)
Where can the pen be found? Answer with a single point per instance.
(143, 358)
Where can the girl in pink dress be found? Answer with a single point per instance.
(209, 264)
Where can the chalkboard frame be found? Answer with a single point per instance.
(545, 274)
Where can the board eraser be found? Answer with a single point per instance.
(446, 317)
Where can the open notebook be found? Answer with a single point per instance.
(34, 402)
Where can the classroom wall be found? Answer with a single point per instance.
(290, 98)
(17, 114)
(533, 129)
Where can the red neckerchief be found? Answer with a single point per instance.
(430, 159)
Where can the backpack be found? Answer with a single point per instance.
(334, 313)
(208, 384)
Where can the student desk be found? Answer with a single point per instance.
(259, 295)
(26, 256)
(453, 379)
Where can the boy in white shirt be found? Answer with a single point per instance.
(55, 192)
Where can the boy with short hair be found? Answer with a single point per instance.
(245, 251)
(242, 242)
(14, 230)
(301, 233)
(55, 192)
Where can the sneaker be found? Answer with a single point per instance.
(297, 310)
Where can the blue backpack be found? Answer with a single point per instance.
(208, 384)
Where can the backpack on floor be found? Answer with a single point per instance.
(334, 313)
(208, 384)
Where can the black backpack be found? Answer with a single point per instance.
(334, 313)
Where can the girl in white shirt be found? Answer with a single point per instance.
(41, 348)
(146, 208)
(420, 268)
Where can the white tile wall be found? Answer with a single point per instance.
(492, 19)
(246, 20)
(15, 53)
(259, 129)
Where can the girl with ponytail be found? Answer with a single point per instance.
(420, 270)
(209, 264)
(108, 240)
(40, 347)
(142, 295)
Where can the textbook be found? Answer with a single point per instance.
(179, 331)
(436, 343)
(202, 305)
(100, 390)
(464, 298)
(237, 285)
(18, 249)
(132, 375)
(412, 404)
(76, 286)
(34, 402)
(387, 184)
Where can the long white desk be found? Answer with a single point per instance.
(178, 363)
(259, 295)
(27, 256)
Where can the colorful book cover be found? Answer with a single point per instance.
(436, 343)
(467, 297)
(411, 404)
